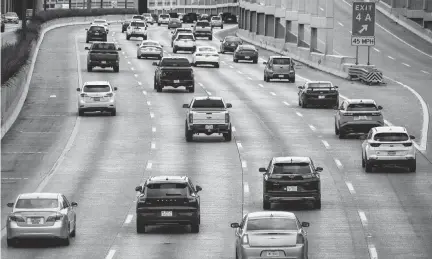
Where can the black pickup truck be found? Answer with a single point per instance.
(175, 72)
(103, 54)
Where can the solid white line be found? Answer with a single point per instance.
(246, 187)
(338, 163)
(390, 57)
(405, 64)
(299, 114)
(153, 129)
(233, 128)
(151, 115)
(326, 144)
(372, 252)
(312, 127)
(148, 103)
(123, 52)
(286, 103)
(240, 72)
(129, 62)
(272, 93)
(260, 85)
(363, 218)
(126, 56)
(426, 72)
(53, 96)
(135, 75)
(149, 165)
(200, 84)
(132, 68)
(239, 145)
(340, 24)
(244, 164)
(153, 145)
(350, 187)
(377, 50)
(128, 219)
(139, 83)
(249, 78)
(110, 254)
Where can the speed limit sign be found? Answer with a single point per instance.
(113, 4)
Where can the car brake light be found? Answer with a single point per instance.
(245, 240)
(376, 114)
(109, 95)
(375, 144)
(54, 218)
(16, 218)
(300, 239)
(190, 117)
(226, 117)
(198, 54)
(83, 95)
(348, 114)
(407, 144)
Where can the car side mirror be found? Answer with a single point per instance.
(336, 86)
(138, 45)
(305, 224)
(185, 105)
(118, 48)
(155, 63)
(363, 137)
(78, 89)
(412, 137)
(198, 188)
(74, 204)
(319, 169)
(228, 105)
(115, 88)
(138, 188)
(300, 87)
(235, 225)
(86, 48)
(380, 107)
(10, 204)
(262, 170)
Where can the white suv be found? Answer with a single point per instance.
(97, 96)
(185, 42)
(137, 28)
(388, 145)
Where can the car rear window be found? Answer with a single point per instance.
(178, 62)
(291, 168)
(207, 49)
(97, 28)
(167, 189)
(216, 18)
(137, 24)
(203, 24)
(164, 16)
(362, 107)
(11, 14)
(273, 223)
(185, 37)
(96, 88)
(320, 87)
(103, 46)
(391, 136)
(208, 104)
(232, 39)
(281, 61)
(36, 204)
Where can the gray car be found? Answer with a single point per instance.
(41, 215)
(270, 234)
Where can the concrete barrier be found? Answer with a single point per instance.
(14, 91)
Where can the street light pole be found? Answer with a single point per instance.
(24, 22)
(101, 4)
(45, 5)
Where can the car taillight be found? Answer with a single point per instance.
(199, 55)
(227, 117)
(376, 114)
(16, 218)
(348, 114)
(109, 95)
(300, 239)
(245, 240)
(190, 117)
(375, 144)
(407, 144)
(83, 95)
(54, 218)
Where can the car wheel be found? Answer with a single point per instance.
(255, 61)
(87, 41)
(73, 233)
(127, 37)
(341, 134)
(192, 89)
(317, 204)
(174, 50)
(210, 38)
(267, 79)
(303, 104)
(363, 161)
(228, 136)
(217, 65)
(368, 166)
(154, 84)
(222, 27)
(116, 69)
(66, 241)
(10, 242)
(158, 24)
(292, 80)
(140, 226)
(80, 112)
(188, 133)
(195, 228)
(138, 57)
(413, 166)
(89, 68)
(235, 60)
(159, 88)
(336, 130)
(266, 205)
(114, 112)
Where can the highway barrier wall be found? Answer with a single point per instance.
(14, 91)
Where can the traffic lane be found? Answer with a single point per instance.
(219, 176)
(285, 136)
(106, 157)
(33, 144)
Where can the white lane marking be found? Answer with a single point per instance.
(123, 52)
(231, 67)
(286, 103)
(233, 128)
(135, 75)
(209, 93)
(350, 32)
(144, 92)
(240, 72)
(372, 252)
(299, 114)
(153, 129)
(239, 145)
(363, 218)
(14, 178)
(151, 115)
(153, 145)
(126, 56)
(272, 93)
(377, 50)
(149, 165)
(148, 103)
(338, 163)
(390, 57)
(110, 254)
(244, 164)
(340, 24)
(129, 62)
(128, 219)
(249, 78)
(246, 188)
(426, 72)
(405, 64)
(321, 9)
(312, 127)
(326, 144)
(350, 187)
(53, 96)
(260, 85)
(200, 84)
(223, 62)
(139, 83)
(24, 152)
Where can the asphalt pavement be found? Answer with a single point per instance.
(98, 160)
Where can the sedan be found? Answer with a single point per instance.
(101, 22)
(246, 52)
(41, 215)
(270, 234)
(149, 49)
(174, 23)
(206, 55)
(230, 44)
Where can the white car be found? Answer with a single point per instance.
(101, 22)
(150, 49)
(97, 96)
(185, 42)
(388, 145)
(163, 19)
(137, 28)
(206, 55)
(216, 21)
(148, 18)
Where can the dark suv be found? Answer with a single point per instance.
(174, 72)
(289, 179)
(96, 33)
(168, 200)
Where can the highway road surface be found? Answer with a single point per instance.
(98, 160)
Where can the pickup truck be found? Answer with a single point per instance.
(203, 29)
(208, 115)
(174, 72)
(103, 54)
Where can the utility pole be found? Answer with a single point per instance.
(24, 22)
(45, 5)
(89, 4)
(101, 3)
(34, 9)
(70, 4)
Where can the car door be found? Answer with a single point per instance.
(365, 143)
(239, 234)
(338, 113)
(67, 209)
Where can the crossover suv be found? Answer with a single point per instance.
(163, 19)
(288, 179)
(184, 42)
(388, 146)
(149, 49)
(174, 23)
(168, 200)
(96, 33)
(357, 116)
(97, 96)
(321, 93)
(216, 21)
(137, 29)
(177, 31)
(246, 52)
(279, 67)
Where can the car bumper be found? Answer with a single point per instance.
(360, 126)
(391, 159)
(216, 24)
(163, 22)
(217, 128)
(150, 54)
(101, 64)
(181, 218)
(244, 57)
(298, 252)
(203, 34)
(177, 25)
(11, 21)
(176, 83)
(58, 230)
(325, 101)
(191, 48)
(97, 38)
(202, 59)
(138, 35)
(292, 197)
(97, 106)
(281, 75)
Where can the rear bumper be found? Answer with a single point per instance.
(175, 25)
(144, 35)
(359, 126)
(292, 197)
(185, 48)
(151, 54)
(203, 34)
(163, 22)
(394, 160)
(55, 231)
(97, 38)
(229, 48)
(152, 219)
(297, 252)
(99, 63)
(281, 76)
(243, 57)
(329, 100)
(217, 128)
(202, 59)
(170, 82)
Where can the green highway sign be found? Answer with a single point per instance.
(363, 24)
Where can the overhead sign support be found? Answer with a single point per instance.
(363, 26)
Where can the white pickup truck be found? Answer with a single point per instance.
(208, 115)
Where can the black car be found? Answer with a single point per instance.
(230, 44)
(96, 33)
(318, 93)
(246, 52)
(190, 18)
(155, 17)
(174, 72)
(229, 18)
(2, 24)
(205, 17)
(290, 179)
(168, 200)
(125, 24)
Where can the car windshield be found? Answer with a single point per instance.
(167, 189)
(96, 88)
(150, 44)
(103, 46)
(202, 24)
(36, 204)
(208, 103)
(137, 24)
(232, 39)
(281, 61)
(185, 37)
(164, 16)
(391, 137)
(362, 107)
(291, 168)
(178, 62)
(247, 47)
(274, 223)
(320, 86)
(11, 14)
(97, 28)
(207, 49)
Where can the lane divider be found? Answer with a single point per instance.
(363, 218)
(128, 219)
(326, 144)
(149, 165)
(312, 127)
(350, 187)
(299, 114)
(286, 103)
(338, 163)
(110, 254)
(272, 93)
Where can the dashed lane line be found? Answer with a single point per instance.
(144, 92)
(231, 66)
(53, 96)
(312, 127)
(233, 128)
(151, 115)
(372, 252)
(209, 93)
(153, 145)
(340, 24)
(12, 178)
(153, 129)
(148, 103)
(363, 218)
(326, 144)
(377, 50)
(200, 84)
(240, 72)
(110, 254)
(149, 166)
(299, 114)
(350, 187)
(135, 75)
(129, 219)
(272, 93)
(139, 83)
(426, 72)
(321, 9)
(244, 164)
(405, 64)
(261, 85)
(246, 188)
(286, 103)
(129, 62)
(338, 163)
(239, 145)
(249, 78)
(390, 57)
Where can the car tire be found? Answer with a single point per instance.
(267, 79)
(363, 161)
(80, 112)
(105, 39)
(413, 166)
(303, 104)
(336, 130)
(222, 52)
(89, 68)
(127, 37)
(159, 88)
(144, 38)
(174, 50)
(217, 65)
(192, 89)
(317, 204)
(114, 112)
(140, 226)
(222, 27)
(266, 205)
(159, 24)
(10, 242)
(228, 136)
(341, 134)
(116, 69)
(368, 166)
(292, 80)
(195, 227)
(87, 41)
(235, 60)
(188, 134)
(160, 57)
(255, 61)
(66, 241)
(210, 38)
(138, 57)
(73, 233)
(154, 84)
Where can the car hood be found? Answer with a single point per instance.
(272, 239)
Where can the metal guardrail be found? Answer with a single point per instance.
(366, 75)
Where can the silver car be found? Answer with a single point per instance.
(41, 215)
(270, 234)
(149, 49)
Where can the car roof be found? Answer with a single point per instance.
(207, 98)
(291, 159)
(384, 129)
(99, 20)
(350, 101)
(199, 47)
(39, 195)
(268, 214)
(148, 41)
(97, 83)
(272, 57)
(168, 178)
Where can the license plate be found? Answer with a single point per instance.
(208, 127)
(207, 56)
(35, 221)
(176, 81)
(233, 45)
(392, 153)
(97, 99)
(166, 213)
(281, 76)
(357, 118)
(103, 62)
(291, 188)
(271, 253)
(247, 57)
(321, 97)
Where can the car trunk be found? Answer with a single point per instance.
(272, 239)
(281, 69)
(291, 183)
(177, 74)
(96, 97)
(392, 149)
(361, 116)
(208, 116)
(108, 55)
(35, 218)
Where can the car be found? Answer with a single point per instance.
(125, 25)
(206, 55)
(203, 29)
(289, 179)
(103, 54)
(137, 29)
(96, 33)
(150, 49)
(271, 234)
(173, 15)
(168, 200)
(190, 18)
(180, 30)
(246, 52)
(208, 115)
(175, 72)
(155, 17)
(2, 23)
(279, 67)
(97, 96)
(138, 17)
(163, 19)
(228, 17)
(318, 93)
(216, 21)
(230, 44)
(148, 18)
(11, 17)
(357, 116)
(101, 22)
(204, 17)
(41, 215)
(174, 23)
(184, 42)
(388, 145)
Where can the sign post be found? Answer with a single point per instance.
(363, 26)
